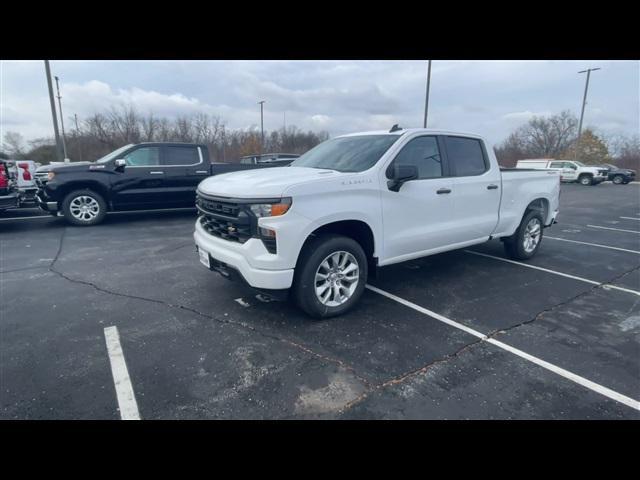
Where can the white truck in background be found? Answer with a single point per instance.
(570, 170)
(356, 202)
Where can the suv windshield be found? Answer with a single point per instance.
(114, 154)
(347, 154)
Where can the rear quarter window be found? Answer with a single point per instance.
(466, 155)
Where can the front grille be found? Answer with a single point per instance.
(225, 220)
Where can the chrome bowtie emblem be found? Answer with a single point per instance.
(231, 229)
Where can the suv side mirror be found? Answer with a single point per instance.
(400, 175)
(120, 163)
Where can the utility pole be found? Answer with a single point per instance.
(584, 102)
(224, 141)
(75, 116)
(64, 143)
(261, 125)
(284, 121)
(59, 151)
(426, 101)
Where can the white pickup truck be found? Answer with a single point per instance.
(357, 202)
(570, 170)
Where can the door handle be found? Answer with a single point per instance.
(492, 187)
(202, 171)
(156, 173)
(443, 190)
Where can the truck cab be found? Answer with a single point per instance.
(357, 202)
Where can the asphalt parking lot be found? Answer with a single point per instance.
(459, 335)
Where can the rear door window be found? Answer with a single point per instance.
(466, 156)
(181, 156)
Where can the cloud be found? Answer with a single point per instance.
(488, 97)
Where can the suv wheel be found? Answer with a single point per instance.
(84, 207)
(618, 180)
(586, 180)
(330, 276)
(525, 243)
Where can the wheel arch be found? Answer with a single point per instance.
(84, 185)
(358, 230)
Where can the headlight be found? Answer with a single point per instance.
(50, 175)
(271, 209)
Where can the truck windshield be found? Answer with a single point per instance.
(113, 155)
(580, 164)
(347, 154)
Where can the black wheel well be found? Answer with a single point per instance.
(356, 229)
(540, 205)
(96, 187)
(585, 174)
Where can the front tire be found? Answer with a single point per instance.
(618, 180)
(84, 208)
(586, 180)
(330, 276)
(524, 244)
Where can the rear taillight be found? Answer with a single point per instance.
(4, 181)
(26, 174)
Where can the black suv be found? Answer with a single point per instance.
(620, 176)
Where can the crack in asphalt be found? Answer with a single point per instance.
(370, 388)
(205, 315)
(422, 370)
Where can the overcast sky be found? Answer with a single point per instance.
(486, 97)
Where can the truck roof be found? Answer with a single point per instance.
(402, 131)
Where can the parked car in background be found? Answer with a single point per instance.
(9, 195)
(137, 176)
(570, 170)
(619, 176)
(282, 159)
(362, 201)
(24, 171)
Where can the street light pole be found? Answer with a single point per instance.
(584, 102)
(64, 143)
(261, 125)
(59, 152)
(426, 102)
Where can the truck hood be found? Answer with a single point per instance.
(263, 182)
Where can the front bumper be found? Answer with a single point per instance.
(45, 204)
(236, 259)
(9, 201)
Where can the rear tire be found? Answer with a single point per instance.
(526, 241)
(330, 276)
(585, 180)
(84, 208)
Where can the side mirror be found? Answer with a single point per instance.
(120, 163)
(401, 174)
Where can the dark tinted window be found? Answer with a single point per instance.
(422, 152)
(143, 157)
(465, 154)
(181, 156)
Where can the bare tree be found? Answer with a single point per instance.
(13, 144)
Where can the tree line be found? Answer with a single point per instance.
(553, 136)
(556, 136)
(102, 133)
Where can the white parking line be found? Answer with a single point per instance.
(606, 286)
(124, 390)
(607, 392)
(593, 244)
(616, 229)
(631, 218)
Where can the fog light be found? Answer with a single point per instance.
(267, 233)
